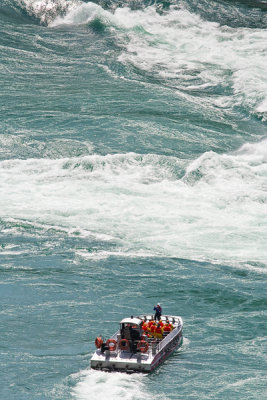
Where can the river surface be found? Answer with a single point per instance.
(133, 170)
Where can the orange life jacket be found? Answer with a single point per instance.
(158, 329)
(167, 328)
(144, 326)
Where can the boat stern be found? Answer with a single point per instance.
(123, 362)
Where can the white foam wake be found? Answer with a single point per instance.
(96, 385)
(214, 209)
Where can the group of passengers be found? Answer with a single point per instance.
(157, 329)
(154, 328)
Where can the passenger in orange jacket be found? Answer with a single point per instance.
(144, 326)
(158, 332)
(151, 323)
(153, 328)
(168, 327)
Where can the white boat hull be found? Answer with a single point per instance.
(126, 361)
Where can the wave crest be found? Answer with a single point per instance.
(211, 210)
(47, 11)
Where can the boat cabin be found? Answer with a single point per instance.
(131, 328)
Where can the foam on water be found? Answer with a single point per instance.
(214, 208)
(47, 10)
(196, 55)
(84, 13)
(101, 385)
(262, 110)
(61, 217)
(189, 54)
(105, 254)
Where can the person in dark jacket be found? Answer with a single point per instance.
(158, 311)
(135, 337)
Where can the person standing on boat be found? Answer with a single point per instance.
(158, 311)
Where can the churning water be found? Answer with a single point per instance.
(133, 169)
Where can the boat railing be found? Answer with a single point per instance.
(164, 341)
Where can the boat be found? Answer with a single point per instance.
(139, 345)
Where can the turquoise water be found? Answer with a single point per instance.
(133, 169)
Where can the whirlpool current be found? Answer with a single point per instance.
(133, 169)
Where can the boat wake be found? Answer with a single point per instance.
(98, 385)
